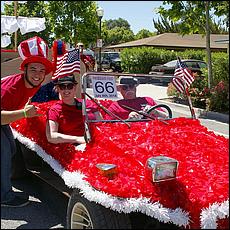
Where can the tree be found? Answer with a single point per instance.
(120, 22)
(164, 25)
(116, 31)
(74, 21)
(194, 17)
(118, 35)
(71, 21)
(143, 34)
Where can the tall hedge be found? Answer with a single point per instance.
(140, 60)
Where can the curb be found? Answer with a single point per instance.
(200, 113)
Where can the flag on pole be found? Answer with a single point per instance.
(67, 64)
(185, 74)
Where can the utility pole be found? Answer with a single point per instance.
(15, 34)
(210, 81)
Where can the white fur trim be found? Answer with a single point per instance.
(177, 216)
(210, 215)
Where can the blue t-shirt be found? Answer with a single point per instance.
(45, 93)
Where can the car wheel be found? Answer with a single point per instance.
(81, 213)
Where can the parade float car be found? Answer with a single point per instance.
(147, 173)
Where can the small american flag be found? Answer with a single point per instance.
(67, 64)
(184, 74)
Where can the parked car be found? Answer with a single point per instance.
(144, 174)
(164, 73)
(115, 64)
(111, 60)
(105, 64)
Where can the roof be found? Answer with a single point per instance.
(177, 40)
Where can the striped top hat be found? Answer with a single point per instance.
(35, 50)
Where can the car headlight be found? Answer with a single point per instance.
(161, 168)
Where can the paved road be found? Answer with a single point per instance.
(39, 213)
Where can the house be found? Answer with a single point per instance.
(175, 41)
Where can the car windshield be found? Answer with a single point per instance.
(189, 63)
(114, 55)
(88, 52)
(100, 91)
(171, 63)
(111, 56)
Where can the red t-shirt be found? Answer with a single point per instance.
(137, 103)
(68, 117)
(14, 93)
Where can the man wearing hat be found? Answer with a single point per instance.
(16, 91)
(127, 85)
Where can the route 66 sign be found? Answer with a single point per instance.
(104, 86)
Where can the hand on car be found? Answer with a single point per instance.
(80, 140)
(134, 116)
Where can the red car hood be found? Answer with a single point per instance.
(197, 198)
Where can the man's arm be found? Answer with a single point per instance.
(54, 137)
(10, 116)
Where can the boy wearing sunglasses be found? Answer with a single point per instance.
(128, 87)
(64, 118)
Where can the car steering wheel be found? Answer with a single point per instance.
(161, 105)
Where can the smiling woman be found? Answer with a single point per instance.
(64, 118)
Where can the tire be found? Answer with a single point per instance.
(93, 216)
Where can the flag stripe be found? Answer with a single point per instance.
(67, 64)
(182, 72)
(178, 85)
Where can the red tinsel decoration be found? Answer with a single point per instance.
(203, 157)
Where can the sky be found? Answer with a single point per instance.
(139, 14)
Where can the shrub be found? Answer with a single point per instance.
(219, 98)
(172, 91)
(216, 98)
(140, 60)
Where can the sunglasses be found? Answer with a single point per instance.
(125, 87)
(66, 86)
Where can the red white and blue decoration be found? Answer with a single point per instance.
(197, 198)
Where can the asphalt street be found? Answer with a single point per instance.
(40, 213)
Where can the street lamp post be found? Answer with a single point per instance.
(100, 13)
(16, 15)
